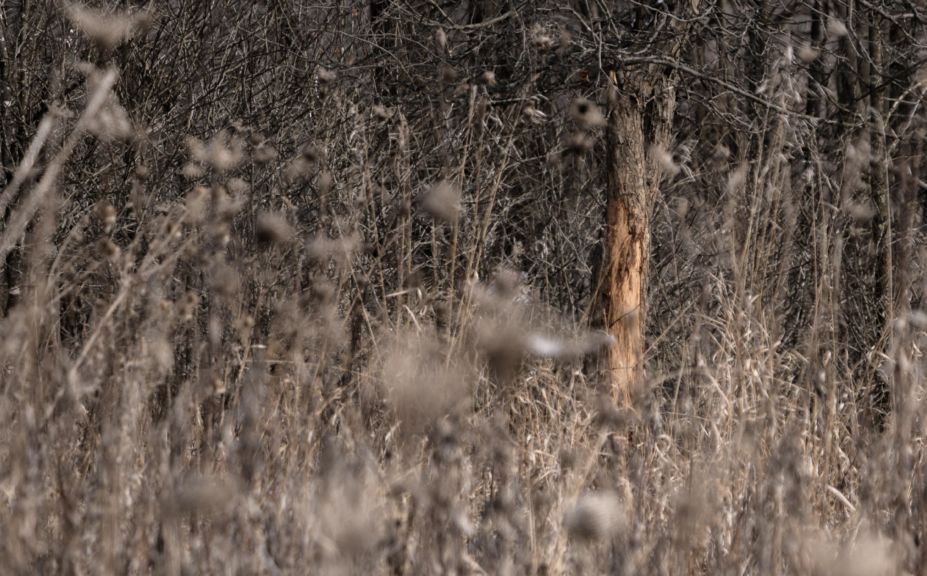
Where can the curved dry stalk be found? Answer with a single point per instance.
(22, 216)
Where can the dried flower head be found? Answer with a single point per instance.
(836, 28)
(106, 29)
(559, 348)
(223, 152)
(196, 203)
(186, 306)
(264, 153)
(586, 113)
(325, 75)
(664, 161)
(325, 182)
(503, 344)
(111, 122)
(807, 54)
(106, 212)
(272, 228)
(442, 202)
(448, 74)
(237, 186)
(871, 554)
(297, 169)
(534, 115)
(340, 249)
(540, 39)
(440, 40)
(420, 385)
(578, 143)
(382, 112)
(108, 249)
(596, 517)
(737, 178)
(350, 510)
(192, 171)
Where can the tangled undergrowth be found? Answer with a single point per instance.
(282, 324)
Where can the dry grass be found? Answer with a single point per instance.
(362, 346)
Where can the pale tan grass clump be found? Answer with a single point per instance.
(596, 517)
(107, 29)
(420, 383)
(587, 114)
(273, 228)
(442, 202)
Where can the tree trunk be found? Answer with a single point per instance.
(879, 177)
(638, 125)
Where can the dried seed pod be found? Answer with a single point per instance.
(325, 182)
(106, 29)
(108, 249)
(836, 28)
(448, 74)
(272, 228)
(587, 114)
(186, 307)
(534, 115)
(540, 39)
(440, 40)
(596, 517)
(664, 161)
(325, 75)
(807, 54)
(579, 143)
(264, 153)
(192, 171)
(311, 153)
(382, 112)
(106, 213)
(443, 202)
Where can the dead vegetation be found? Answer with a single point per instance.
(294, 288)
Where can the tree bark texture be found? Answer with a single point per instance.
(638, 127)
(879, 176)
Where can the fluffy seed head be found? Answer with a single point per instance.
(442, 202)
(106, 29)
(579, 143)
(807, 54)
(664, 161)
(586, 113)
(440, 39)
(836, 28)
(325, 75)
(596, 517)
(106, 212)
(272, 228)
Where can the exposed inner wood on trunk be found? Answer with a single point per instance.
(638, 122)
(625, 291)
